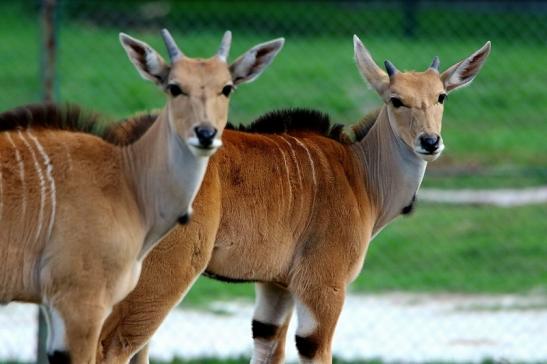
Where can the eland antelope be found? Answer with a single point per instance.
(292, 203)
(80, 210)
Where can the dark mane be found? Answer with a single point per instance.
(73, 118)
(127, 131)
(49, 116)
(291, 120)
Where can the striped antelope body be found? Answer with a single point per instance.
(79, 210)
(292, 204)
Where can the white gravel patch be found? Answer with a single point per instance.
(393, 327)
(499, 197)
(18, 330)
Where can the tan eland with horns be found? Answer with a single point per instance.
(80, 209)
(292, 203)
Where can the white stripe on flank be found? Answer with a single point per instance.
(49, 170)
(286, 169)
(42, 184)
(314, 178)
(21, 173)
(293, 154)
(321, 157)
(311, 160)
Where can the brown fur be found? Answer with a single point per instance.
(231, 174)
(81, 204)
(129, 130)
(39, 246)
(293, 210)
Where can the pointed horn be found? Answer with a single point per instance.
(390, 68)
(172, 49)
(435, 64)
(224, 49)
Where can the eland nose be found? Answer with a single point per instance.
(205, 134)
(430, 142)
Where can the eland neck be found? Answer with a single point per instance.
(165, 176)
(392, 171)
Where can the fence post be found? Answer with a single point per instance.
(47, 71)
(49, 49)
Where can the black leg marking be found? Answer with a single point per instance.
(264, 331)
(307, 346)
(184, 219)
(59, 357)
(408, 209)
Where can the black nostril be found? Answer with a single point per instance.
(430, 142)
(205, 134)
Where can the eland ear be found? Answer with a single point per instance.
(253, 62)
(146, 60)
(462, 73)
(370, 71)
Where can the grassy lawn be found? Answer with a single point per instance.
(440, 249)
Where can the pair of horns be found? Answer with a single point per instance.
(391, 69)
(175, 53)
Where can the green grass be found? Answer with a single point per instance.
(460, 249)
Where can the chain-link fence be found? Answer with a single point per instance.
(456, 283)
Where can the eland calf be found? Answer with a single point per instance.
(292, 203)
(80, 210)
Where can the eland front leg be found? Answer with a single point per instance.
(75, 322)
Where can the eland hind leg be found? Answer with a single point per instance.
(271, 319)
(317, 308)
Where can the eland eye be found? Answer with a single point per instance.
(227, 90)
(441, 99)
(396, 102)
(175, 90)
